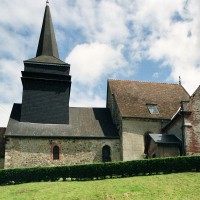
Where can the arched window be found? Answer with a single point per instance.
(106, 154)
(56, 153)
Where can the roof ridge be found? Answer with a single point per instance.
(143, 81)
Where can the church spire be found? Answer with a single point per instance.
(46, 81)
(47, 45)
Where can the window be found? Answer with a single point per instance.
(153, 109)
(106, 154)
(56, 153)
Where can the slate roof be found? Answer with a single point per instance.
(165, 139)
(46, 59)
(84, 123)
(132, 98)
(47, 43)
(47, 51)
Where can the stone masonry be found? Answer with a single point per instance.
(133, 137)
(27, 152)
(157, 150)
(2, 146)
(192, 125)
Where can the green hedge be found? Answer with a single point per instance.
(100, 170)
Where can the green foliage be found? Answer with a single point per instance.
(100, 170)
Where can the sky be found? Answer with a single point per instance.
(142, 40)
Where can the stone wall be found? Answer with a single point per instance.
(2, 142)
(1, 163)
(168, 150)
(114, 109)
(192, 126)
(175, 128)
(133, 136)
(27, 152)
(163, 150)
(152, 148)
(111, 103)
(192, 140)
(189, 127)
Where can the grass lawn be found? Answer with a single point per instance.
(172, 186)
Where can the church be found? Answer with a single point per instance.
(141, 119)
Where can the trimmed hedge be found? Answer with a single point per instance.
(100, 170)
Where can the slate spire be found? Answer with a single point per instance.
(47, 45)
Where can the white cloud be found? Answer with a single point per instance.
(111, 23)
(87, 101)
(10, 83)
(168, 32)
(84, 96)
(5, 110)
(103, 21)
(89, 62)
(156, 75)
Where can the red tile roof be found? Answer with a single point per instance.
(132, 98)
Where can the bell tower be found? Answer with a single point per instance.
(46, 81)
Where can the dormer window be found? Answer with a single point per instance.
(153, 109)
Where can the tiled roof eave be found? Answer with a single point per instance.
(144, 118)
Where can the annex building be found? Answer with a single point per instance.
(141, 119)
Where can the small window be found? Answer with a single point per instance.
(106, 154)
(56, 153)
(153, 109)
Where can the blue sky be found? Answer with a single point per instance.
(144, 40)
